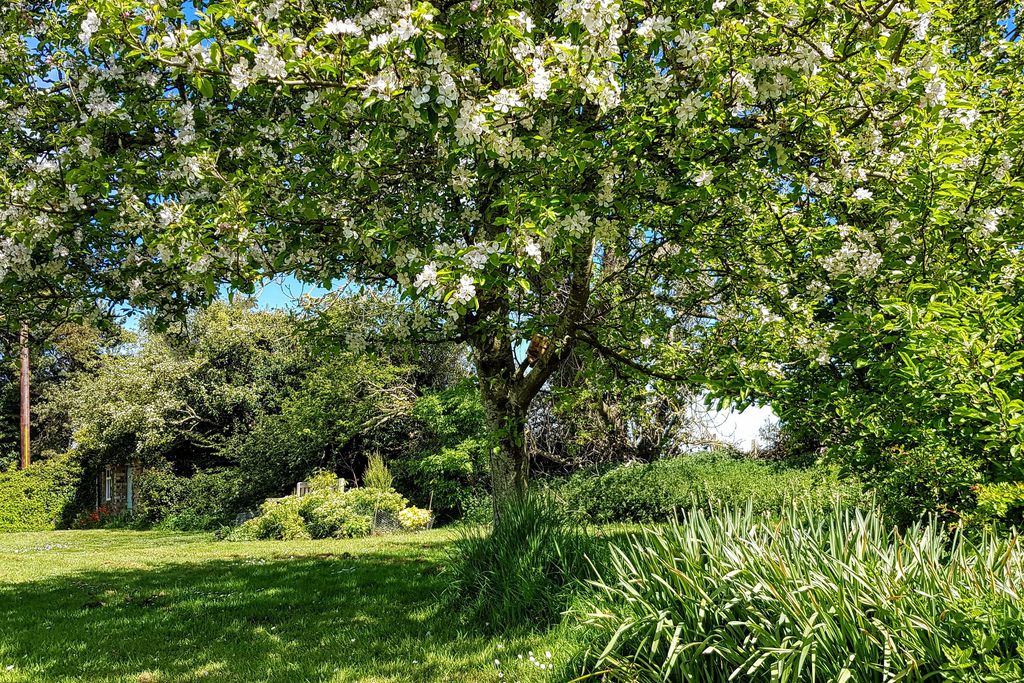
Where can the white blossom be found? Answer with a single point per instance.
(532, 249)
(934, 93)
(469, 126)
(653, 26)
(268, 63)
(427, 277)
(540, 80)
(90, 25)
(475, 258)
(921, 25)
(464, 292)
(688, 108)
(240, 74)
(342, 27)
(100, 104)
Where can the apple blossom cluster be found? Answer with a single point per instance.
(856, 257)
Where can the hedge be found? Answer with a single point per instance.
(35, 499)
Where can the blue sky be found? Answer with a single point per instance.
(284, 292)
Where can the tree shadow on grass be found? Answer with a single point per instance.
(372, 617)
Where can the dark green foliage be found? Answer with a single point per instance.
(182, 394)
(446, 466)
(921, 396)
(524, 572)
(652, 492)
(205, 500)
(38, 498)
(332, 420)
(829, 595)
(235, 405)
(933, 477)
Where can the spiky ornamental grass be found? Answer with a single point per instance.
(833, 596)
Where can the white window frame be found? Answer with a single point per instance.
(108, 487)
(128, 481)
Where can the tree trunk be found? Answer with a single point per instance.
(510, 466)
(505, 413)
(507, 388)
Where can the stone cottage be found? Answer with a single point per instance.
(115, 487)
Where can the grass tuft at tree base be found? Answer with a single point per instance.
(523, 573)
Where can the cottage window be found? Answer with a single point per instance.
(108, 488)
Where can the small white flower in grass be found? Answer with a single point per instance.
(548, 654)
(646, 343)
(862, 194)
(719, 5)
(342, 27)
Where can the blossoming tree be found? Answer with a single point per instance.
(635, 177)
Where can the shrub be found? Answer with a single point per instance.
(205, 500)
(647, 493)
(325, 513)
(369, 501)
(932, 478)
(414, 518)
(1002, 501)
(158, 492)
(446, 478)
(445, 464)
(37, 498)
(328, 514)
(377, 475)
(522, 573)
(325, 480)
(833, 595)
(279, 520)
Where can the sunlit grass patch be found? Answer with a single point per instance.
(131, 607)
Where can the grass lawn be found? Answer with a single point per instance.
(104, 606)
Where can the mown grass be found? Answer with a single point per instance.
(118, 606)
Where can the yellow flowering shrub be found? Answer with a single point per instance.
(413, 517)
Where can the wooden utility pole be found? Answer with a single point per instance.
(26, 409)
